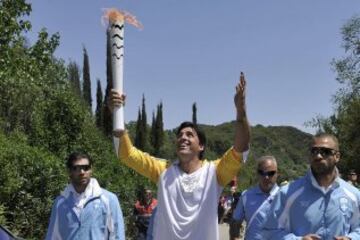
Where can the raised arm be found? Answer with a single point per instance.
(242, 127)
(144, 164)
(229, 165)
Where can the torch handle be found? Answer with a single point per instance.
(118, 119)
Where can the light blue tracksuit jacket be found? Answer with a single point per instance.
(253, 207)
(101, 218)
(303, 207)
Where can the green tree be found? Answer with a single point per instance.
(194, 113)
(107, 117)
(159, 130)
(42, 120)
(141, 135)
(12, 27)
(30, 177)
(153, 131)
(24, 70)
(99, 106)
(144, 129)
(73, 72)
(345, 121)
(138, 131)
(347, 68)
(86, 80)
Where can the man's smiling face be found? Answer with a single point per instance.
(188, 144)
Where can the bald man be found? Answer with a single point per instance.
(254, 203)
(319, 205)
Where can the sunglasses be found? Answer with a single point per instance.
(323, 151)
(78, 168)
(264, 174)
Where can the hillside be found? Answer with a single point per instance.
(289, 145)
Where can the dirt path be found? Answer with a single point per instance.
(224, 231)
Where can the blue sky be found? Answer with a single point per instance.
(193, 51)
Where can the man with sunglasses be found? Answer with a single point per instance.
(84, 210)
(254, 203)
(319, 205)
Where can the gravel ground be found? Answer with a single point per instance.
(224, 231)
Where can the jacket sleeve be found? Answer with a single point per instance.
(275, 227)
(144, 164)
(52, 231)
(117, 216)
(355, 234)
(354, 221)
(239, 213)
(228, 166)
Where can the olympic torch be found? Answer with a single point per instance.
(116, 20)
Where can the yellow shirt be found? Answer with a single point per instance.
(151, 167)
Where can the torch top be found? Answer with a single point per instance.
(112, 15)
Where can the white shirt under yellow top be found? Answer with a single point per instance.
(187, 203)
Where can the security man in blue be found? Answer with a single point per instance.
(84, 210)
(319, 205)
(254, 203)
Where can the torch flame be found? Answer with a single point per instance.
(112, 15)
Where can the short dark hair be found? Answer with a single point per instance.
(199, 132)
(76, 156)
(327, 135)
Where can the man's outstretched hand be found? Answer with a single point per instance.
(239, 98)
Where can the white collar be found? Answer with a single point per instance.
(321, 188)
(93, 189)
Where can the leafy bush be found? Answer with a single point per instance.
(30, 179)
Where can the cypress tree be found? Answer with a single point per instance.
(74, 77)
(107, 116)
(194, 113)
(159, 130)
(99, 106)
(153, 131)
(86, 80)
(144, 136)
(138, 132)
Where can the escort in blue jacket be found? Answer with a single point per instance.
(255, 203)
(303, 207)
(253, 207)
(319, 205)
(100, 218)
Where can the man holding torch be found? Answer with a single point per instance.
(188, 188)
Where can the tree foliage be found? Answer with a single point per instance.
(99, 106)
(144, 127)
(86, 80)
(42, 120)
(345, 120)
(107, 116)
(30, 178)
(138, 130)
(194, 113)
(73, 72)
(142, 136)
(157, 131)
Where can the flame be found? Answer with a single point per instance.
(112, 15)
